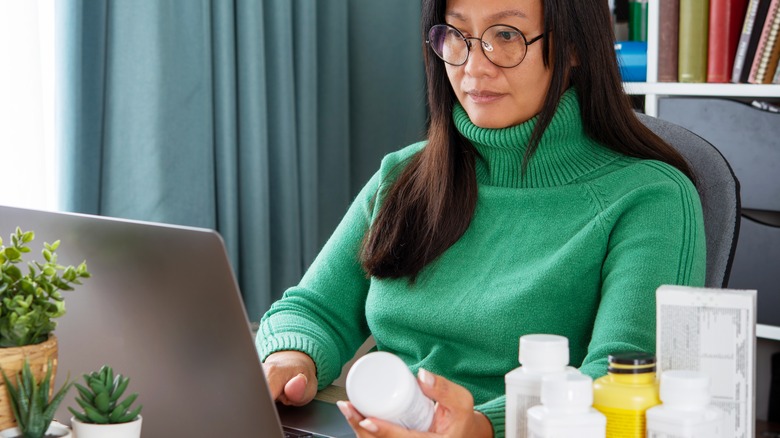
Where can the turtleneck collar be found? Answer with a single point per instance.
(565, 153)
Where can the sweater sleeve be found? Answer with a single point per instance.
(324, 316)
(656, 237)
(495, 411)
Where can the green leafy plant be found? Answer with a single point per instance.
(100, 399)
(30, 401)
(29, 302)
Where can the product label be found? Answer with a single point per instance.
(623, 423)
(655, 434)
(524, 403)
(419, 415)
(707, 430)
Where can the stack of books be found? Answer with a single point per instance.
(719, 41)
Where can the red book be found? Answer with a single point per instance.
(726, 20)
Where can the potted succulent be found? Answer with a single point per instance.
(103, 414)
(30, 301)
(32, 407)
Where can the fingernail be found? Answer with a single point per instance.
(305, 379)
(369, 426)
(425, 377)
(344, 409)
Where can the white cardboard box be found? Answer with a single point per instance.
(712, 331)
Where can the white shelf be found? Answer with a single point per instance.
(768, 332)
(652, 89)
(688, 89)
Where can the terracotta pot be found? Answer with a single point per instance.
(121, 430)
(12, 362)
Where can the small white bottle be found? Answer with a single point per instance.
(380, 385)
(566, 410)
(540, 355)
(685, 411)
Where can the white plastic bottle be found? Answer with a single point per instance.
(685, 411)
(380, 385)
(540, 355)
(566, 410)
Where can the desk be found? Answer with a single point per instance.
(767, 430)
(332, 394)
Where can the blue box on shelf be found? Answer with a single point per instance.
(632, 60)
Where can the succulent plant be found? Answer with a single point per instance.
(29, 302)
(30, 401)
(100, 398)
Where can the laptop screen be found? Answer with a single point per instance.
(163, 308)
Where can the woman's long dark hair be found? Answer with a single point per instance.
(431, 203)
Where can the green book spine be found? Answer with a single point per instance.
(637, 20)
(692, 49)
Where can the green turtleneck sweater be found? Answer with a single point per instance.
(576, 246)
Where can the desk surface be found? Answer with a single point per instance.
(334, 393)
(767, 430)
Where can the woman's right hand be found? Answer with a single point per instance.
(292, 377)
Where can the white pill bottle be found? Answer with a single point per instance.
(380, 385)
(566, 409)
(685, 410)
(540, 355)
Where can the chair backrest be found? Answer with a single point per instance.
(718, 189)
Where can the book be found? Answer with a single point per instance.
(637, 20)
(776, 79)
(712, 331)
(692, 48)
(725, 27)
(748, 39)
(767, 45)
(773, 64)
(668, 35)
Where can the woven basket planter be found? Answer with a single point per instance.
(12, 362)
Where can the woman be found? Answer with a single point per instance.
(538, 204)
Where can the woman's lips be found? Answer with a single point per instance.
(478, 96)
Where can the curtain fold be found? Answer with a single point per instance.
(235, 115)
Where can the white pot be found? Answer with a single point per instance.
(55, 429)
(121, 430)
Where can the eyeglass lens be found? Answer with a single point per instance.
(503, 45)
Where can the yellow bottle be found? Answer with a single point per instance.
(626, 392)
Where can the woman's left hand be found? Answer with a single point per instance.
(455, 416)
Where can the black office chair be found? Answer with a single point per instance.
(718, 189)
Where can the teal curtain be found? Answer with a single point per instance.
(258, 118)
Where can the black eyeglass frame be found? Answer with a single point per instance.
(482, 43)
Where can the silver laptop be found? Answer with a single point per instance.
(163, 308)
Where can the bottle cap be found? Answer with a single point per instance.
(567, 391)
(680, 388)
(631, 362)
(542, 353)
(380, 385)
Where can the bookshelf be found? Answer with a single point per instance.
(653, 90)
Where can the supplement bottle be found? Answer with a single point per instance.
(566, 409)
(380, 385)
(627, 391)
(540, 355)
(686, 411)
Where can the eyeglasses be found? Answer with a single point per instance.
(503, 45)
